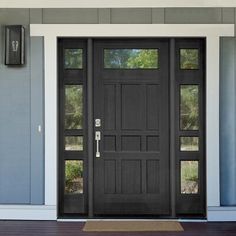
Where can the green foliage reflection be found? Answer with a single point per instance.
(74, 177)
(189, 177)
(131, 58)
(74, 143)
(189, 111)
(73, 106)
(189, 59)
(189, 143)
(73, 58)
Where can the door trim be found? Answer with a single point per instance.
(212, 32)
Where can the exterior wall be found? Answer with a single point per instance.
(21, 94)
(228, 122)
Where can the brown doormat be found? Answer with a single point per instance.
(131, 226)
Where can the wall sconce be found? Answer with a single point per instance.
(14, 45)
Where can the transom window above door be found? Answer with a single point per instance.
(131, 58)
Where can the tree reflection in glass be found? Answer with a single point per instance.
(73, 58)
(131, 58)
(189, 107)
(189, 177)
(189, 59)
(73, 177)
(189, 144)
(73, 107)
(74, 143)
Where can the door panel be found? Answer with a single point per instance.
(132, 105)
(132, 174)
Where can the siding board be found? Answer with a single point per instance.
(193, 16)
(227, 15)
(70, 16)
(158, 15)
(131, 16)
(104, 16)
(36, 16)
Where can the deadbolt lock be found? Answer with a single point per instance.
(97, 122)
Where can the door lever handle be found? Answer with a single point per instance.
(97, 139)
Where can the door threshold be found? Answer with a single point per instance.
(177, 219)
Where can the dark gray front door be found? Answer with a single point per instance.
(131, 99)
(131, 127)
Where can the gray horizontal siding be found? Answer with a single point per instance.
(104, 16)
(70, 16)
(158, 15)
(139, 16)
(131, 16)
(193, 16)
(228, 15)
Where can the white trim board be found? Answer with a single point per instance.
(222, 213)
(211, 32)
(131, 30)
(114, 3)
(155, 220)
(27, 212)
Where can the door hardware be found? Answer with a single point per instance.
(97, 139)
(97, 122)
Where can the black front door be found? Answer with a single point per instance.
(131, 101)
(131, 127)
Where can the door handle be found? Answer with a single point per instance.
(97, 139)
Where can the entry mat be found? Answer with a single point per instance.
(131, 226)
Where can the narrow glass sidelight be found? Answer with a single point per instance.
(73, 106)
(189, 177)
(131, 58)
(74, 177)
(73, 58)
(189, 107)
(189, 144)
(189, 59)
(74, 143)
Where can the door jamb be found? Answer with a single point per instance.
(90, 124)
(172, 127)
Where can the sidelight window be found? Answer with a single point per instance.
(73, 58)
(189, 144)
(74, 143)
(189, 59)
(73, 107)
(74, 176)
(189, 177)
(189, 107)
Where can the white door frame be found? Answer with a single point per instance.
(212, 33)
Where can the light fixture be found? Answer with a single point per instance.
(14, 45)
